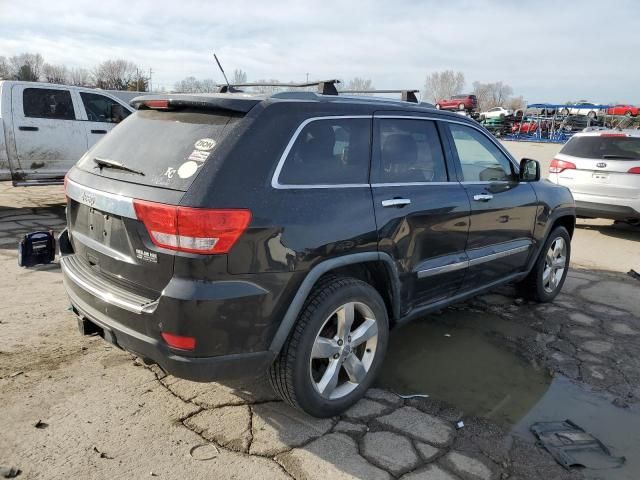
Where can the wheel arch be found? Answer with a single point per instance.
(375, 268)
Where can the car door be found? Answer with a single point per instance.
(48, 134)
(102, 114)
(503, 209)
(422, 216)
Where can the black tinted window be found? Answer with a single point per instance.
(481, 160)
(409, 151)
(329, 152)
(102, 109)
(168, 147)
(47, 103)
(617, 145)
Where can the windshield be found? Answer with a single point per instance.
(160, 148)
(603, 147)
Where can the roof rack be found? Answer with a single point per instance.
(325, 87)
(406, 95)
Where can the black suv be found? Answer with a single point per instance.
(230, 234)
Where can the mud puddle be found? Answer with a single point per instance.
(459, 357)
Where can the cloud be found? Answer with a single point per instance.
(546, 50)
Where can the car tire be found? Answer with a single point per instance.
(627, 113)
(323, 386)
(592, 115)
(438, 106)
(461, 106)
(564, 112)
(547, 277)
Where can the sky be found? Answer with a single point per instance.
(546, 50)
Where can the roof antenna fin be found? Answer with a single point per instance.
(228, 88)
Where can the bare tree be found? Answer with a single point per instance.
(80, 77)
(490, 95)
(239, 76)
(26, 66)
(358, 83)
(5, 70)
(114, 74)
(193, 85)
(55, 73)
(516, 103)
(444, 84)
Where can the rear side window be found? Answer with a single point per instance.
(481, 160)
(168, 147)
(329, 152)
(409, 151)
(47, 103)
(618, 147)
(102, 109)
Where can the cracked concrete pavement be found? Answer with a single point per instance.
(108, 416)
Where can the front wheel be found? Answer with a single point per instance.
(335, 349)
(547, 276)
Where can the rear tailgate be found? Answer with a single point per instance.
(603, 166)
(165, 150)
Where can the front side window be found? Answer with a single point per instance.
(409, 151)
(481, 160)
(102, 109)
(47, 103)
(329, 152)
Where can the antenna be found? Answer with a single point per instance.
(222, 70)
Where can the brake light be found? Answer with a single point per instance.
(609, 135)
(558, 166)
(157, 104)
(179, 342)
(635, 170)
(192, 230)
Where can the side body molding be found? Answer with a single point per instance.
(289, 319)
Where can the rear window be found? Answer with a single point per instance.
(169, 148)
(622, 148)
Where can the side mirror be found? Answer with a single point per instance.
(529, 170)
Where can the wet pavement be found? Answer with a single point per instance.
(497, 362)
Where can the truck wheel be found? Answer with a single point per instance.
(335, 350)
(547, 276)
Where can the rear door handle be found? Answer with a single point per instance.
(482, 197)
(396, 202)
(27, 129)
(98, 131)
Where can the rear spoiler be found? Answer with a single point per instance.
(233, 102)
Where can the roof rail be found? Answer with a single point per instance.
(406, 95)
(325, 87)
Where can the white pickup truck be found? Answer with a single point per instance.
(46, 128)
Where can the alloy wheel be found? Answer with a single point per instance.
(554, 265)
(344, 350)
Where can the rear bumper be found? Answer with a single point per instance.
(604, 210)
(198, 369)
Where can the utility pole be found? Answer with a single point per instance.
(150, 75)
(307, 77)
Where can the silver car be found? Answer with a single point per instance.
(602, 170)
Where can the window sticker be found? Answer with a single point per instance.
(205, 144)
(198, 156)
(187, 169)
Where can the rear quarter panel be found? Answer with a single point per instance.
(554, 201)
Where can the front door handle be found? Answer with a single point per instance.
(483, 197)
(98, 131)
(27, 129)
(396, 202)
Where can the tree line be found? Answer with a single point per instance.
(115, 74)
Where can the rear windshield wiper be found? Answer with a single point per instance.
(621, 157)
(106, 163)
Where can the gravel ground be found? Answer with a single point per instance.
(76, 407)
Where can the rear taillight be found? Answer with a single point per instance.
(610, 135)
(157, 104)
(179, 342)
(635, 170)
(558, 166)
(193, 230)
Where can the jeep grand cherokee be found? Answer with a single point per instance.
(229, 234)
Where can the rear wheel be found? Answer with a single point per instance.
(461, 106)
(438, 106)
(591, 115)
(547, 276)
(627, 113)
(335, 350)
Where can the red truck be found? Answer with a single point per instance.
(458, 102)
